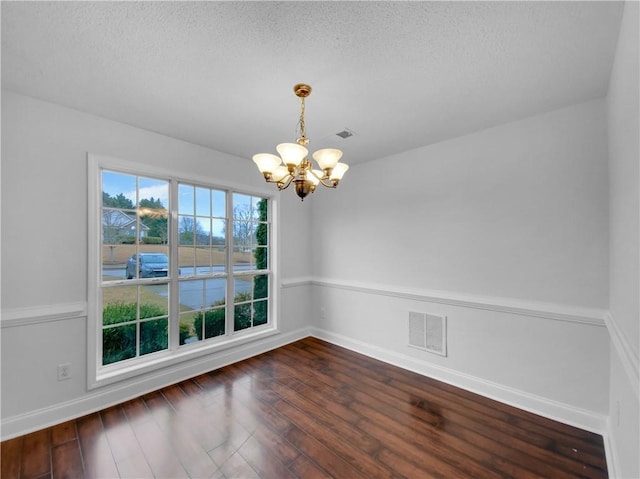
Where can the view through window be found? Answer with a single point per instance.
(181, 263)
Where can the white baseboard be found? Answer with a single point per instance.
(102, 398)
(565, 413)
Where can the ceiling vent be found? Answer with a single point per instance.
(346, 133)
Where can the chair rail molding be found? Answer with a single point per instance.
(10, 318)
(559, 312)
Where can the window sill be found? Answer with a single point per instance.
(167, 361)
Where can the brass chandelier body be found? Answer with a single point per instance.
(293, 166)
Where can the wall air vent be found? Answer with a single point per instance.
(428, 332)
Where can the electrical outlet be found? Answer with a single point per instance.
(64, 371)
(323, 314)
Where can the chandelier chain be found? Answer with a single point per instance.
(303, 130)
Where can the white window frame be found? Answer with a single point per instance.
(99, 375)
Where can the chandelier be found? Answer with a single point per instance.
(293, 166)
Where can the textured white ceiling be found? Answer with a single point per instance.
(399, 74)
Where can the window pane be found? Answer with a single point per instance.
(203, 231)
(200, 294)
(242, 317)
(118, 343)
(120, 304)
(203, 260)
(203, 202)
(242, 233)
(261, 255)
(188, 332)
(219, 200)
(186, 200)
(154, 219)
(241, 206)
(153, 193)
(114, 258)
(151, 262)
(262, 234)
(260, 313)
(243, 289)
(154, 301)
(243, 259)
(186, 230)
(214, 322)
(215, 292)
(187, 260)
(261, 286)
(154, 336)
(118, 190)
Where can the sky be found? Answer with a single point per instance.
(193, 201)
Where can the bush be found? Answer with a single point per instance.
(214, 323)
(185, 332)
(119, 343)
(125, 239)
(151, 240)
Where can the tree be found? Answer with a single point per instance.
(242, 226)
(189, 227)
(154, 215)
(118, 201)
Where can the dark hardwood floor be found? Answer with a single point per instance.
(308, 410)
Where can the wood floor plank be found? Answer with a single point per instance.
(125, 448)
(67, 460)
(36, 459)
(303, 467)
(96, 453)
(64, 432)
(263, 461)
(11, 458)
(322, 455)
(308, 410)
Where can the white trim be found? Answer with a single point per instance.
(628, 357)
(610, 453)
(558, 312)
(296, 282)
(555, 410)
(42, 314)
(102, 398)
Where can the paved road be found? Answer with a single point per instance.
(197, 293)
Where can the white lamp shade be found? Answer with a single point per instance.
(292, 153)
(266, 162)
(313, 178)
(327, 157)
(279, 173)
(339, 170)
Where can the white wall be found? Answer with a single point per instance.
(623, 103)
(505, 232)
(44, 254)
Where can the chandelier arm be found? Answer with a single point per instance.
(328, 185)
(284, 186)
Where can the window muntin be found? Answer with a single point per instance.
(157, 309)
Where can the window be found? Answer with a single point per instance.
(183, 266)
